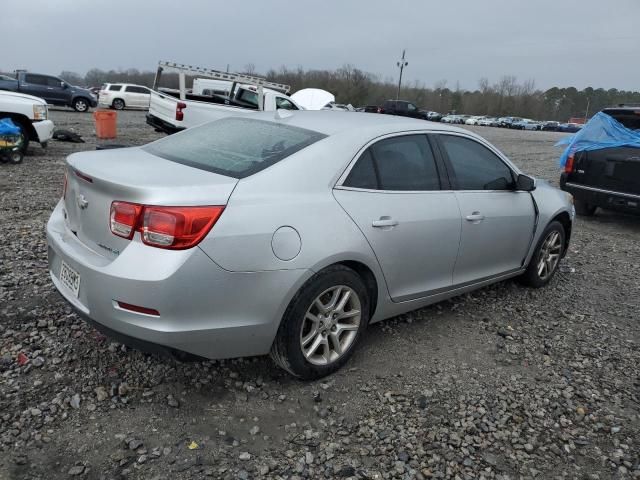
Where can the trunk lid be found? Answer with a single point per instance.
(96, 179)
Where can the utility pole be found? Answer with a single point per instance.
(586, 114)
(402, 63)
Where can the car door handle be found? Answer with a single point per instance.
(384, 222)
(475, 217)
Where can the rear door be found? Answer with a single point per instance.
(497, 221)
(36, 85)
(394, 193)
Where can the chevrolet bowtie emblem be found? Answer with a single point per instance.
(82, 202)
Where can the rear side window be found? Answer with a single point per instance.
(404, 163)
(284, 104)
(235, 147)
(134, 89)
(475, 166)
(248, 97)
(115, 88)
(35, 79)
(628, 118)
(363, 174)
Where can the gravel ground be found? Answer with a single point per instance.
(503, 383)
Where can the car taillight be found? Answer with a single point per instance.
(64, 186)
(179, 113)
(174, 228)
(568, 167)
(123, 218)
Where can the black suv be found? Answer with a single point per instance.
(402, 108)
(607, 178)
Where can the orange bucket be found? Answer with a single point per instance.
(105, 123)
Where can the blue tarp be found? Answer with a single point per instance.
(602, 131)
(7, 127)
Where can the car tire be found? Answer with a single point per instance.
(546, 257)
(81, 105)
(583, 208)
(25, 136)
(16, 157)
(305, 325)
(118, 104)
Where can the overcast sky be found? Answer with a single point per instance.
(555, 42)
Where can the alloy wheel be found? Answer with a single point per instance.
(549, 257)
(330, 325)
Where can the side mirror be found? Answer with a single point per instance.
(64, 85)
(525, 183)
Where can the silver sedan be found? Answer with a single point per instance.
(290, 233)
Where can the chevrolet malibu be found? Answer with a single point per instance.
(289, 233)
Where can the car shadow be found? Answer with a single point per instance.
(625, 221)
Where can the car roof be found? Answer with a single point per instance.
(331, 122)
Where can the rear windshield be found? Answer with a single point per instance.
(627, 117)
(235, 147)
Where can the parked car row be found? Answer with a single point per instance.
(56, 91)
(516, 123)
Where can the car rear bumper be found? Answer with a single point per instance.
(203, 309)
(162, 125)
(44, 130)
(600, 197)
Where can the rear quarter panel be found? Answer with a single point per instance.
(297, 192)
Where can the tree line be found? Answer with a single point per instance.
(350, 85)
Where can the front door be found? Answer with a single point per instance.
(497, 221)
(393, 193)
(58, 91)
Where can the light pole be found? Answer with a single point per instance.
(586, 113)
(402, 63)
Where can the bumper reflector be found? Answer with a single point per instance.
(138, 309)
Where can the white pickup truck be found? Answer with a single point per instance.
(173, 110)
(30, 114)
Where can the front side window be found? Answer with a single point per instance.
(235, 147)
(115, 88)
(475, 166)
(404, 163)
(411, 107)
(54, 82)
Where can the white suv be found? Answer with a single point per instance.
(124, 95)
